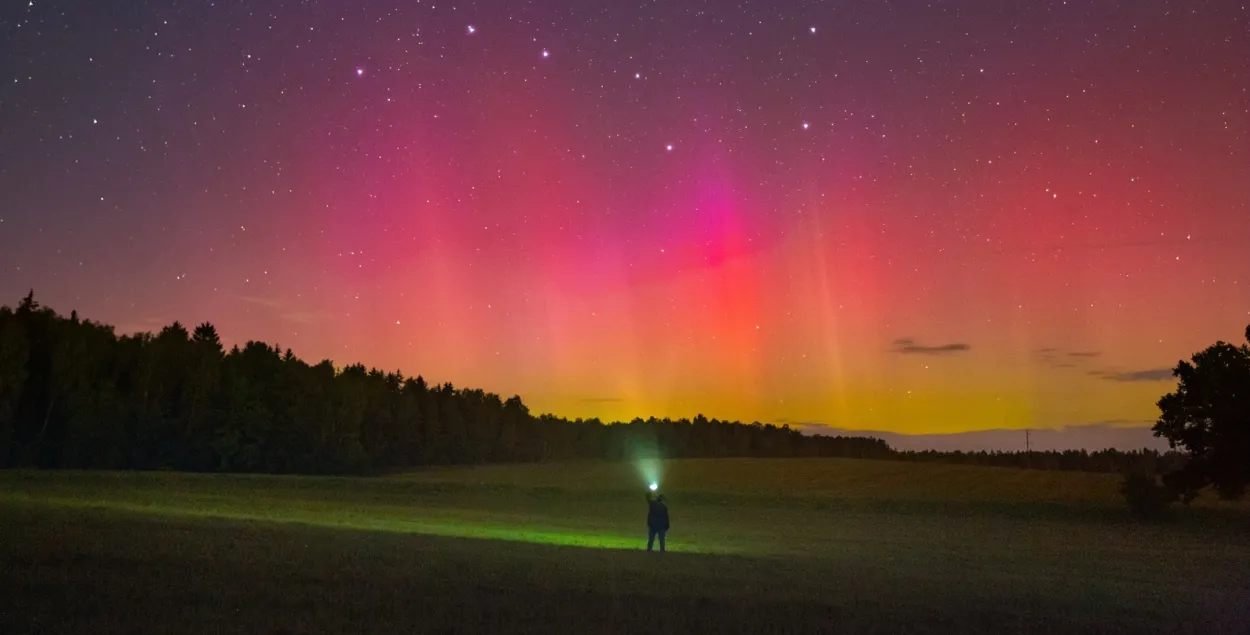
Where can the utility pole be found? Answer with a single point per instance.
(1028, 450)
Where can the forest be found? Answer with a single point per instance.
(75, 394)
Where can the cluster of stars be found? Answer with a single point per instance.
(713, 181)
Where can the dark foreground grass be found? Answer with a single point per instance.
(168, 553)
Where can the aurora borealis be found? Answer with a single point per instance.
(919, 217)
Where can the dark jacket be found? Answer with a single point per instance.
(657, 514)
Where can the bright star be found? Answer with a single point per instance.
(669, 147)
(472, 29)
(360, 72)
(806, 125)
(546, 53)
(812, 29)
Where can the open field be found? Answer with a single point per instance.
(758, 546)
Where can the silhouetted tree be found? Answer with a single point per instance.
(200, 398)
(36, 406)
(74, 394)
(14, 355)
(89, 431)
(1208, 417)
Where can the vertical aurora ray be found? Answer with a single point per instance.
(945, 223)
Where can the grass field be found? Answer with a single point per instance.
(757, 546)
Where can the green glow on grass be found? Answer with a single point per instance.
(446, 524)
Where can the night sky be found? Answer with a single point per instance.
(918, 217)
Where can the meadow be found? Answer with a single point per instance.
(758, 545)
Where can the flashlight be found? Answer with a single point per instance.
(654, 486)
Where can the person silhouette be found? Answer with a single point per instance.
(657, 520)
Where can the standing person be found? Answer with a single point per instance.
(657, 520)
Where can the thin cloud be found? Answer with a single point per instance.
(1122, 423)
(288, 312)
(272, 303)
(909, 346)
(1057, 358)
(1152, 374)
(601, 400)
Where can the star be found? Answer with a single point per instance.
(360, 72)
(472, 29)
(812, 29)
(806, 125)
(546, 53)
(669, 147)
(637, 75)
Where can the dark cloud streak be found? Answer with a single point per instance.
(1152, 374)
(908, 346)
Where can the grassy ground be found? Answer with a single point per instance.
(759, 546)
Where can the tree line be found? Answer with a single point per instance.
(1144, 461)
(74, 394)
